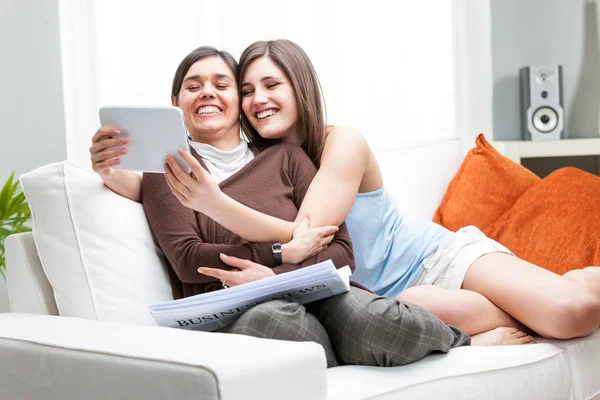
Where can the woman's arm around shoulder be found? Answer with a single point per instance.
(301, 172)
(347, 166)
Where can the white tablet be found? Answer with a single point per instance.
(153, 133)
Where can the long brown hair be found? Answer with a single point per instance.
(298, 68)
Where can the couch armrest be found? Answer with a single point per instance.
(49, 357)
(28, 288)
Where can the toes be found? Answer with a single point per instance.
(519, 334)
(527, 340)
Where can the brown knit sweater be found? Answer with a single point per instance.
(274, 183)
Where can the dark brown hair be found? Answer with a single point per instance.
(298, 68)
(199, 54)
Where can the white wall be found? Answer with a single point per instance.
(32, 129)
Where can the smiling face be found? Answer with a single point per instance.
(210, 103)
(269, 101)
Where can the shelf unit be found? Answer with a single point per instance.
(519, 149)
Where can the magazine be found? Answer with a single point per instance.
(215, 310)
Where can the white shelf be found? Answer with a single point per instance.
(518, 149)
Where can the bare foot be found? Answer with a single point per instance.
(502, 337)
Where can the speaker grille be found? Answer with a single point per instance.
(545, 119)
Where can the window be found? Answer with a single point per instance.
(385, 67)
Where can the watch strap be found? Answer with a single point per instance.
(277, 258)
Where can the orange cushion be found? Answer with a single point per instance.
(556, 223)
(486, 185)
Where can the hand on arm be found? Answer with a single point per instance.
(104, 157)
(339, 251)
(307, 242)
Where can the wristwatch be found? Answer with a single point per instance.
(276, 247)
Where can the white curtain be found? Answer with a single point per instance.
(387, 68)
(473, 75)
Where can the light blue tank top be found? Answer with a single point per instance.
(389, 248)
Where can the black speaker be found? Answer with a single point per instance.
(542, 114)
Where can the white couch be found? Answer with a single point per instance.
(45, 356)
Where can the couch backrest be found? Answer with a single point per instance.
(417, 175)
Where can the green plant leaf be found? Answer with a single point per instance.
(5, 232)
(14, 214)
(14, 221)
(18, 205)
(5, 196)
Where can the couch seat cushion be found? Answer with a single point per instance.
(583, 364)
(509, 372)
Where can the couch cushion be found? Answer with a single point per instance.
(95, 247)
(485, 187)
(509, 372)
(583, 361)
(59, 358)
(555, 223)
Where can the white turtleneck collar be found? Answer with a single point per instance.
(222, 164)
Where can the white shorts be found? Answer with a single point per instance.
(447, 266)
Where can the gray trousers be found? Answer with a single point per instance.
(357, 328)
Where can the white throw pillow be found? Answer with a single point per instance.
(95, 246)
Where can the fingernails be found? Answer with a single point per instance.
(116, 131)
(123, 151)
(169, 158)
(180, 151)
(201, 270)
